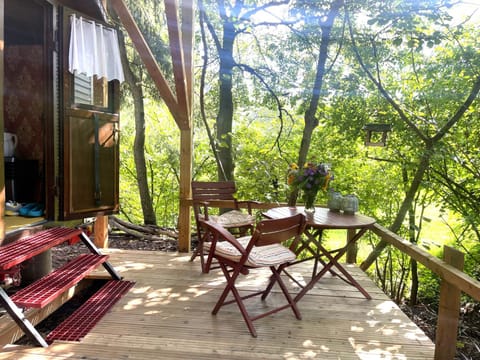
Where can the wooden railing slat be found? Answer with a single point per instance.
(447, 272)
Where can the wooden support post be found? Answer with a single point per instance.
(184, 220)
(448, 310)
(353, 249)
(100, 231)
(179, 102)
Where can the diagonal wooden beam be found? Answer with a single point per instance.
(148, 59)
(187, 44)
(181, 49)
(176, 50)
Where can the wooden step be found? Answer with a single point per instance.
(44, 290)
(23, 249)
(77, 325)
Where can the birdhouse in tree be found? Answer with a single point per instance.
(376, 134)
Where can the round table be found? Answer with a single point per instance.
(323, 219)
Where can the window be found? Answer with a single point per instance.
(90, 91)
(94, 61)
(82, 89)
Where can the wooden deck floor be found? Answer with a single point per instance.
(167, 315)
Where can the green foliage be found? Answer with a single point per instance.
(426, 63)
(162, 156)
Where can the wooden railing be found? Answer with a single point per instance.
(454, 282)
(446, 271)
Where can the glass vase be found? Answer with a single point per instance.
(309, 201)
(350, 204)
(335, 200)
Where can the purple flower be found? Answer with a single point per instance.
(312, 178)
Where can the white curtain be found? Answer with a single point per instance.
(94, 50)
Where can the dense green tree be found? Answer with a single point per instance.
(226, 21)
(405, 63)
(147, 15)
(400, 41)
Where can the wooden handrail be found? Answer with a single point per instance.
(454, 281)
(447, 272)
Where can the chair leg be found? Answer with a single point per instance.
(197, 251)
(238, 299)
(269, 287)
(291, 301)
(271, 282)
(205, 265)
(202, 256)
(232, 276)
(244, 311)
(194, 255)
(230, 284)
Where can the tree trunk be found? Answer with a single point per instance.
(406, 204)
(414, 289)
(413, 239)
(149, 216)
(225, 110)
(311, 121)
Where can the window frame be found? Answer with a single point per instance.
(110, 91)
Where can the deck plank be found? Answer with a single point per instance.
(167, 315)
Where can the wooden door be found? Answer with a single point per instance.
(89, 142)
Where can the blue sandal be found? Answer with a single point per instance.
(36, 211)
(31, 210)
(24, 210)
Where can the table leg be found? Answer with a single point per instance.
(316, 239)
(317, 252)
(333, 261)
(351, 280)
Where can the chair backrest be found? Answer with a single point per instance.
(208, 191)
(231, 251)
(274, 231)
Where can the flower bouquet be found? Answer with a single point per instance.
(312, 178)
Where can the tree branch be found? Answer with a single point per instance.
(271, 92)
(461, 110)
(379, 86)
(211, 139)
(211, 29)
(249, 14)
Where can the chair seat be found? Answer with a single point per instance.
(233, 218)
(269, 255)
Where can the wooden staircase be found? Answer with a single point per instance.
(43, 291)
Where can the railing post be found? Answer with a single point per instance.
(448, 310)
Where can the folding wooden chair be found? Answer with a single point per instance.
(263, 249)
(206, 197)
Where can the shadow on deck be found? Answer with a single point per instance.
(167, 315)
